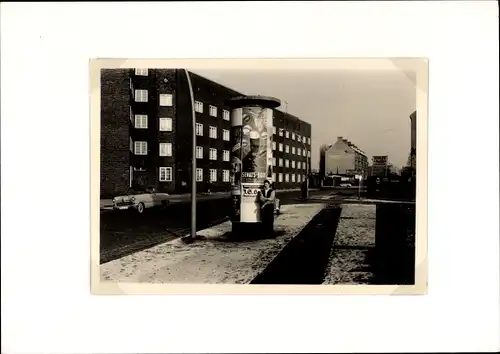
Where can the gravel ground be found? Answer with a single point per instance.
(354, 240)
(218, 260)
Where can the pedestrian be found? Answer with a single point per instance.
(267, 200)
(303, 189)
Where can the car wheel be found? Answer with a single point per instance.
(140, 208)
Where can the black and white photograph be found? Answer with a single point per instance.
(261, 175)
(179, 177)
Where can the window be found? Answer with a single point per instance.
(198, 106)
(299, 150)
(308, 153)
(293, 164)
(287, 163)
(287, 177)
(141, 121)
(213, 175)
(293, 136)
(141, 72)
(303, 139)
(212, 132)
(165, 124)
(166, 99)
(293, 149)
(280, 177)
(141, 148)
(165, 149)
(293, 177)
(274, 130)
(298, 164)
(225, 155)
(199, 152)
(274, 161)
(287, 134)
(212, 154)
(298, 178)
(225, 175)
(280, 162)
(281, 147)
(225, 114)
(165, 174)
(225, 134)
(304, 152)
(281, 132)
(274, 145)
(199, 129)
(213, 111)
(199, 174)
(309, 141)
(287, 149)
(298, 137)
(131, 145)
(141, 95)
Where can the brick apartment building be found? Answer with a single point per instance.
(146, 132)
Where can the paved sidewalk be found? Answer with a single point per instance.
(355, 236)
(217, 260)
(183, 198)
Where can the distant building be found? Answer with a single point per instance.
(380, 166)
(345, 158)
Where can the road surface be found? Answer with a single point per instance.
(126, 232)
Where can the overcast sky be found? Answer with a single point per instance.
(370, 108)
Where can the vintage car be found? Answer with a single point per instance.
(141, 199)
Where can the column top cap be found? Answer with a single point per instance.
(264, 101)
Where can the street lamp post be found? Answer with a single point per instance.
(192, 236)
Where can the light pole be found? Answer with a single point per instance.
(192, 236)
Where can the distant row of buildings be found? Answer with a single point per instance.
(146, 134)
(344, 158)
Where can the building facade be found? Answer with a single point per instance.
(345, 158)
(146, 134)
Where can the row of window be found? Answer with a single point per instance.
(294, 136)
(165, 175)
(292, 150)
(143, 96)
(212, 110)
(212, 132)
(140, 121)
(290, 163)
(141, 148)
(165, 149)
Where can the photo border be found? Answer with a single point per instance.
(417, 65)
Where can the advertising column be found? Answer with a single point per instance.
(251, 154)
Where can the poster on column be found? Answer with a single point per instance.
(252, 164)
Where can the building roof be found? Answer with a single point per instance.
(352, 146)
